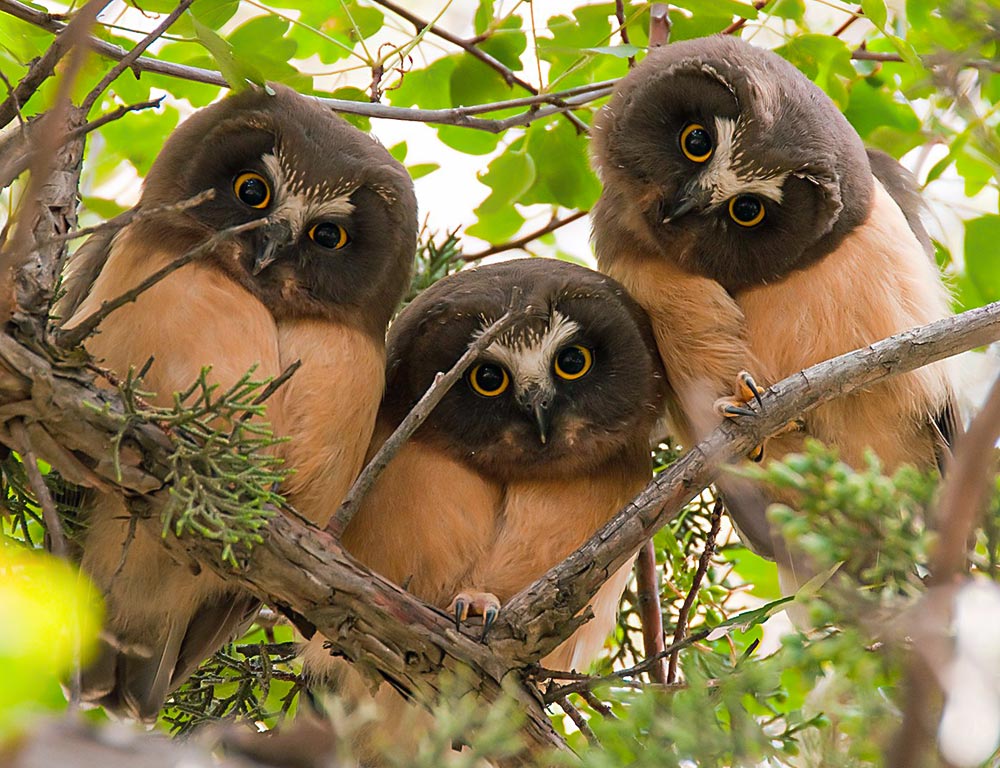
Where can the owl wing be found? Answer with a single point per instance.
(84, 267)
(162, 616)
(902, 187)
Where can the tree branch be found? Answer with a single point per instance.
(70, 337)
(536, 620)
(417, 415)
(513, 245)
(650, 610)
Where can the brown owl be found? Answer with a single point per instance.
(317, 282)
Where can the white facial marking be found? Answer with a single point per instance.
(528, 357)
(300, 205)
(721, 176)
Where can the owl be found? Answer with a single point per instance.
(544, 439)
(742, 211)
(316, 282)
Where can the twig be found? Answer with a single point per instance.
(474, 50)
(71, 337)
(559, 102)
(650, 612)
(966, 490)
(546, 612)
(583, 683)
(53, 526)
(741, 22)
(579, 721)
(659, 24)
(17, 151)
(622, 29)
(598, 706)
(855, 15)
(699, 575)
(552, 226)
(417, 415)
(128, 59)
(139, 214)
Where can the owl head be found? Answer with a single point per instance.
(341, 223)
(725, 157)
(574, 383)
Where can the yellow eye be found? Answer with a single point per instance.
(252, 189)
(573, 362)
(329, 235)
(488, 380)
(746, 210)
(696, 143)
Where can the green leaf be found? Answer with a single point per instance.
(824, 60)
(484, 16)
(498, 226)
(398, 151)
(509, 176)
(621, 51)
(563, 173)
(214, 13)
(793, 10)
(237, 73)
(982, 255)
(419, 170)
(350, 93)
(506, 43)
(875, 12)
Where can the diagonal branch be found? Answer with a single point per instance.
(70, 337)
(536, 620)
(417, 415)
(520, 242)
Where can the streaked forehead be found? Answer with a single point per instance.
(733, 170)
(528, 352)
(308, 198)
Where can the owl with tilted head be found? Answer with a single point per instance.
(742, 211)
(315, 281)
(541, 442)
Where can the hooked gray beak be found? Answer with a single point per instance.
(276, 236)
(687, 200)
(538, 402)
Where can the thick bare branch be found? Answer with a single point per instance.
(647, 589)
(537, 619)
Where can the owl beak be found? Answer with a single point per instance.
(276, 236)
(537, 402)
(686, 202)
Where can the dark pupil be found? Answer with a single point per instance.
(572, 361)
(489, 378)
(327, 235)
(253, 192)
(698, 142)
(746, 207)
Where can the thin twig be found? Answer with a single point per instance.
(71, 337)
(622, 29)
(128, 59)
(417, 415)
(659, 24)
(138, 214)
(597, 705)
(699, 575)
(579, 721)
(53, 526)
(650, 612)
(741, 22)
(552, 226)
(855, 15)
(115, 114)
(589, 682)
(966, 491)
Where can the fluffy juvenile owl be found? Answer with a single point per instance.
(544, 439)
(742, 211)
(317, 282)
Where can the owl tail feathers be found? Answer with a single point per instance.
(133, 682)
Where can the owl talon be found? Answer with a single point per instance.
(731, 410)
(461, 611)
(484, 604)
(748, 388)
(756, 453)
(489, 616)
